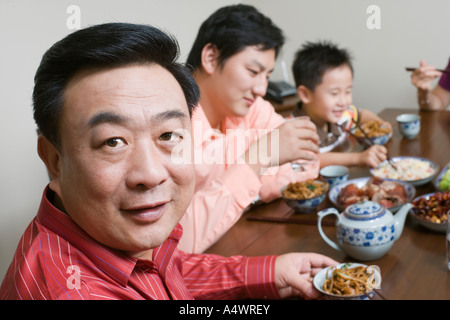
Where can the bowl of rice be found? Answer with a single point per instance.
(415, 170)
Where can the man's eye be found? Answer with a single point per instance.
(115, 142)
(171, 136)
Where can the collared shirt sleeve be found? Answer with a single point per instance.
(209, 276)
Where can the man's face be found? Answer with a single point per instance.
(116, 178)
(242, 78)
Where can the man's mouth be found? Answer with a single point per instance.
(146, 213)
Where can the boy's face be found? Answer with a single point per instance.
(115, 175)
(332, 96)
(243, 78)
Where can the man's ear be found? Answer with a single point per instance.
(304, 94)
(51, 157)
(209, 57)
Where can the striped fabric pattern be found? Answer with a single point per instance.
(55, 259)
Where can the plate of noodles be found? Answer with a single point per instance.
(349, 280)
(415, 170)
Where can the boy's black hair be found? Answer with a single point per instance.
(314, 59)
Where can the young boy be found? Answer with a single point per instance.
(324, 78)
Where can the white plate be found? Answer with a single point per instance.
(319, 280)
(419, 182)
(360, 182)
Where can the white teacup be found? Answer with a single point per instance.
(334, 174)
(409, 125)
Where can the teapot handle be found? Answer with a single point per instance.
(322, 214)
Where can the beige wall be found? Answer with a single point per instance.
(410, 30)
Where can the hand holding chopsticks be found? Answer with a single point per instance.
(367, 142)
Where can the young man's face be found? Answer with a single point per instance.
(242, 78)
(332, 96)
(115, 175)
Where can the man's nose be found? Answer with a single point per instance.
(260, 86)
(146, 166)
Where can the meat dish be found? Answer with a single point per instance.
(387, 193)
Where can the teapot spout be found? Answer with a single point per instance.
(400, 218)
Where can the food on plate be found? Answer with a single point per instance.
(350, 281)
(387, 193)
(373, 128)
(305, 190)
(433, 208)
(408, 169)
(444, 184)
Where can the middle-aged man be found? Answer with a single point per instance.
(111, 104)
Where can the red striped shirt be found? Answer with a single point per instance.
(56, 259)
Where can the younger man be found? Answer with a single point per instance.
(231, 60)
(323, 74)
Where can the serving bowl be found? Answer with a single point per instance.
(384, 170)
(306, 205)
(319, 280)
(434, 226)
(334, 192)
(371, 129)
(440, 176)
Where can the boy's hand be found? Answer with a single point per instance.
(373, 156)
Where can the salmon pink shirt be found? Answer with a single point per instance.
(57, 260)
(224, 186)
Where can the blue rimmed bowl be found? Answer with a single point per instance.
(306, 205)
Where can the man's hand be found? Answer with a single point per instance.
(294, 273)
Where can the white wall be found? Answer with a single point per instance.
(410, 30)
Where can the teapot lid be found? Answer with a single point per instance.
(365, 210)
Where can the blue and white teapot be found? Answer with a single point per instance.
(365, 230)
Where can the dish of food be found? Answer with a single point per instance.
(372, 128)
(392, 194)
(348, 281)
(304, 190)
(443, 179)
(430, 210)
(415, 170)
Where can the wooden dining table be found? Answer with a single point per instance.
(415, 268)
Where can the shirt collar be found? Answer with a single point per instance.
(112, 262)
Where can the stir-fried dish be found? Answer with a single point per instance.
(305, 190)
(373, 128)
(433, 208)
(350, 281)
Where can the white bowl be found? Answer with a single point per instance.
(418, 182)
(319, 280)
(360, 182)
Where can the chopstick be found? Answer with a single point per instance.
(289, 220)
(440, 70)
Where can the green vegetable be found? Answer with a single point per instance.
(444, 184)
(311, 187)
